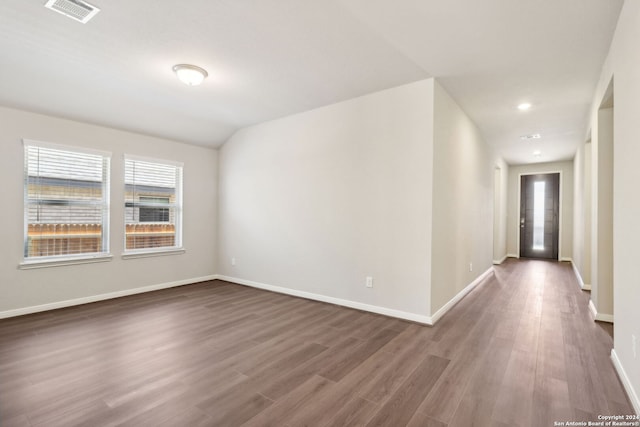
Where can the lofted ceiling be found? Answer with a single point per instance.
(271, 58)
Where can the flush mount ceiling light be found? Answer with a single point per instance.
(537, 153)
(532, 136)
(524, 106)
(190, 74)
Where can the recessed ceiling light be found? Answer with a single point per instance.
(532, 136)
(524, 106)
(190, 74)
(537, 153)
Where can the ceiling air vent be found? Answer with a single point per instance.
(74, 9)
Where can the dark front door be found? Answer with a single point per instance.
(539, 207)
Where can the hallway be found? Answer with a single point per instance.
(546, 361)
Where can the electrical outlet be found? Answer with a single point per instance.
(233, 261)
(369, 282)
(634, 342)
(470, 266)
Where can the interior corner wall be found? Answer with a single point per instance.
(312, 204)
(586, 207)
(463, 186)
(22, 291)
(566, 205)
(582, 213)
(501, 185)
(602, 213)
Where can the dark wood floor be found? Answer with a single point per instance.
(520, 350)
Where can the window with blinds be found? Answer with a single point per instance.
(66, 202)
(153, 205)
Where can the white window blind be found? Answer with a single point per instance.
(66, 193)
(153, 204)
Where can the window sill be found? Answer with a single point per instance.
(58, 262)
(153, 253)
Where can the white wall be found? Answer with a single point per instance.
(315, 202)
(566, 205)
(602, 215)
(22, 290)
(500, 205)
(624, 63)
(582, 213)
(587, 203)
(463, 199)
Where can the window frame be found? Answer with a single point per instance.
(67, 259)
(178, 207)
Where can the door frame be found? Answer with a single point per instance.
(560, 204)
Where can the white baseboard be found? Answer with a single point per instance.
(449, 305)
(601, 317)
(426, 320)
(566, 259)
(626, 382)
(498, 262)
(583, 286)
(513, 256)
(101, 297)
(592, 309)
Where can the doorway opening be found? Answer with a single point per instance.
(539, 215)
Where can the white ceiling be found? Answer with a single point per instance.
(270, 58)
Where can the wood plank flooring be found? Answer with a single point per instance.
(519, 350)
